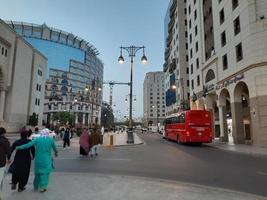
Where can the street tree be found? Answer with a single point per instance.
(64, 117)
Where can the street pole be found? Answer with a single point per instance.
(131, 50)
(131, 97)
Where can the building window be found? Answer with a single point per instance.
(186, 34)
(190, 38)
(234, 4)
(198, 80)
(37, 87)
(225, 62)
(187, 83)
(187, 70)
(186, 58)
(192, 69)
(223, 39)
(196, 30)
(221, 16)
(239, 52)
(209, 76)
(185, 22)
(6, 52)
(237, 25)
(189, 10)
(195, 14)
(185, 11)
(197, 63)
(191, 53)
(3, 50)
(39, 72)
(192, 84)
(190, 23)
(196, 47)
(195, 1)
(36, 101)
(186, 46)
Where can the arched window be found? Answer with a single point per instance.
(210, 76)
(64, 90)
(54, 88)
(64, 82)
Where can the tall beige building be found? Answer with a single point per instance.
(176, 58)
(22, 80)
(154, 98)
(229, 38)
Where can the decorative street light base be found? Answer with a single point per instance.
(130, 137)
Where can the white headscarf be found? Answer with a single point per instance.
(45, 132)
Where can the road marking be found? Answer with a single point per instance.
(262, 173)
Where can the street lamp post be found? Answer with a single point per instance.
(132, 50)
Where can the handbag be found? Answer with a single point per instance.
(11, 168)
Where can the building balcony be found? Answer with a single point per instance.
(167, 53)
(172, 65)
(173, 8)
(169, 39)
(165, 66)
(171, 24)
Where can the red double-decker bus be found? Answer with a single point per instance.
(191, 126)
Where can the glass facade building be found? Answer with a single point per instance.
(74, 70)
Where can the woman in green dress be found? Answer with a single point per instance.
(43, 158)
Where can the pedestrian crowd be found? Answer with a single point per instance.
(38, 146)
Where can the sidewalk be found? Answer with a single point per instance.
(240, 148)
(70, 186)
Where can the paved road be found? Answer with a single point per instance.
(163, 159)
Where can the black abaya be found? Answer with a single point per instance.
(22, 163)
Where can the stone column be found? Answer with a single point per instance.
(223, 123)
(76, 118)
(51, 118)
(237, 122)
(83, 118)
(2, 104)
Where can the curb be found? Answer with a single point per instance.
(137, 144)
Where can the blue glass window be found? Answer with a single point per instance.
(37, 32)
(59, 55)
(27, 31)
(64, 82)
(63, 39)
(54, 36)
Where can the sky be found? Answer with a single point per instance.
(107, 24)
